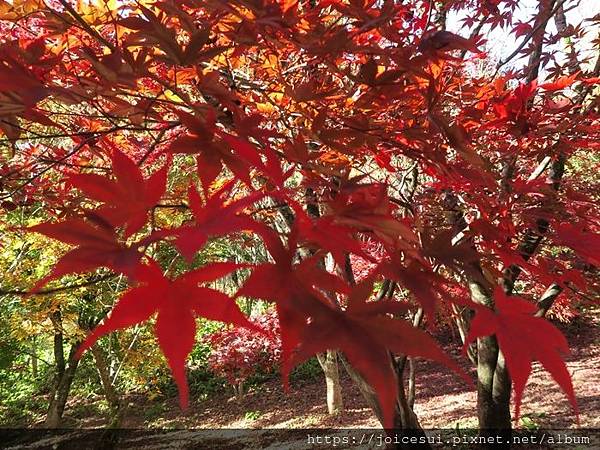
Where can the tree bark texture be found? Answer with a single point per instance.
(58, 400)
(329, 364)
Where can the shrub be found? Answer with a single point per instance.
(239, 353)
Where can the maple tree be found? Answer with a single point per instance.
(356, 129)
(237, 354)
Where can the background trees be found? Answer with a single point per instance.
(320, 140)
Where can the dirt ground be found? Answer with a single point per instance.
(443, 400)
(281, 418)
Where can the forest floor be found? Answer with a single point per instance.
(443, 400)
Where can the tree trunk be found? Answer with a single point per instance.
(329, 364)
(365, 389)
(405, 420)
(34, 358)
(103, 373)
(462, 319)
(238, 390)
(501, 383)
(59, 398)
(53, 418)
(59, 352)
(411, 382)
(493, 403)
(493, 398)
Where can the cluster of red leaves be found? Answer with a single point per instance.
(361, 267)
(332, 86)
(236, 354)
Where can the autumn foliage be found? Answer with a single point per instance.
(336, 133)
(237, 354)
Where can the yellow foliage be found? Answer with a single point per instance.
(271, 63)
(170, 95)
(19, 8)
(265, 108)
(276, 97)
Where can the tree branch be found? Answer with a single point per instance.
(55, 290)
(527, 38)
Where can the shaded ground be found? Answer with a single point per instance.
(443, 400)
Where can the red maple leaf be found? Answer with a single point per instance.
(584, 241)
(446, 41)
(295, 288)
(560, 83)
(177, 303)
(417, 278)
(214, 148)
(366, 335)
(97, 246)
(128, 198)
(367, 208)
(514, 104)
(523, 338)
(521, 29)
(283, 279)
(311, 323)
(214, 218)
(327, 235)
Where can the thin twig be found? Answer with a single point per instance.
(527, 38)
(86, 26)
(56, 290)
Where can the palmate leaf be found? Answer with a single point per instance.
(128, 198)
(97, 245)
(523, 338)
(177, 303)
(584, 241)
(443, 41)
(216, 217)
(214, 149)
(324, 233)
(367, 342)
(290, 286)
(419, 280)
(310, 323)
(341, 88)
